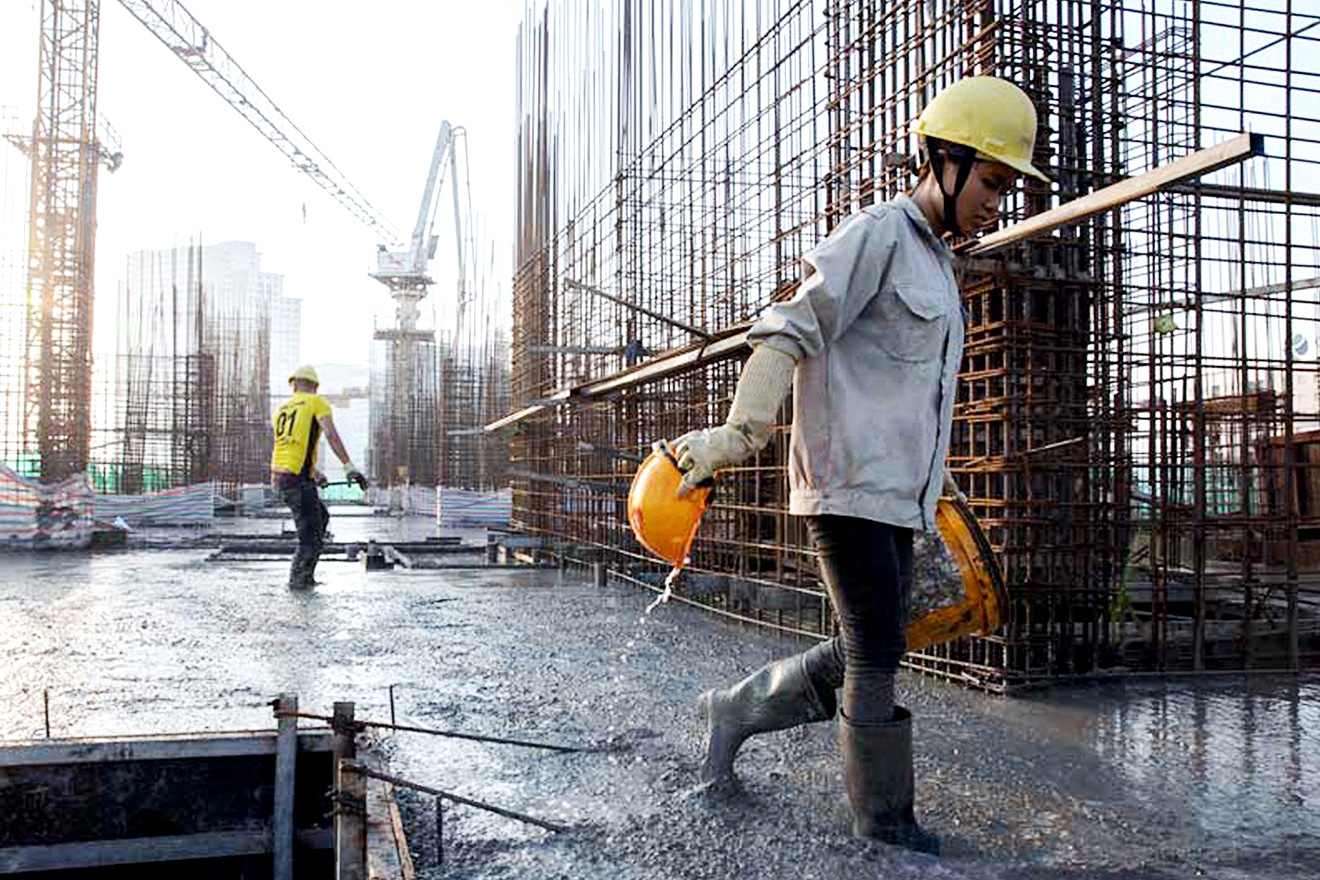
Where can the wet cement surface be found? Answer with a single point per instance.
(1218, 777)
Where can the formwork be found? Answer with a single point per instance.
(1131, 418)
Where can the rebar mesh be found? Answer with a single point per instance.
(1139, 390)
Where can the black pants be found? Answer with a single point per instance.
(867, 569)
(310, 519)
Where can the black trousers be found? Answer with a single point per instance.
(310, 519)
(867, 569)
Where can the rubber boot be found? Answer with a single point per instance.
(776, 696)
(877, 772)
(300, 575)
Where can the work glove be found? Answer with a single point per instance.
(951, 488)
(701, 453)
(355, 476)
(320, 480)
(765, 379)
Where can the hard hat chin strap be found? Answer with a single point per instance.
(936, 150)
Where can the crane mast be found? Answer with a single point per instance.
(66, 155)
(397, 454)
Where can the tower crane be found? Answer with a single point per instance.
(398, 435)
(184, 35)
(405, 273)
(66, 152)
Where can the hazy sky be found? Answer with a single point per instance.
(368, 83)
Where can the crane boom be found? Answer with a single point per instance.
(185, 36)
(418, 251)
(408, 269)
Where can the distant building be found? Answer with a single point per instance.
(203, 339)
(285, 333)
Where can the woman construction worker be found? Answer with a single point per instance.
(299, 424)
(871, 343)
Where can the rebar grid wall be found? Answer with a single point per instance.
(13, 341)
(405, 420)
(474, 379)
(429, 401)
(1133, 416)
(189, 395)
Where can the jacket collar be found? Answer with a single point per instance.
(919, 220)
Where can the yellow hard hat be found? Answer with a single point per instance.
(988, 114)
(307, 373)
(663, 522)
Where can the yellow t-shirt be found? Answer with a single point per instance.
(297, 433)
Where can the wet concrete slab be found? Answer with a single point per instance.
(1216, 777)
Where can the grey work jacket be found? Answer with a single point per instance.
(877, 329)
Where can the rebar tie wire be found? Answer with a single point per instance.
(360, 726)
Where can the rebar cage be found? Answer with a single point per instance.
(1137, 423)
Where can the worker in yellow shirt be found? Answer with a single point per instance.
(299, 423)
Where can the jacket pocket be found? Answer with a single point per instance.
(915, 319)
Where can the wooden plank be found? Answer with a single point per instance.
(727, 343)
(286, 763)
(350, 800)
(145, 850)
(1192, 165)
(407, 871)
(387, 849)
(717, 349)
(87, 751)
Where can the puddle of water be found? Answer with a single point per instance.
(1237, 754)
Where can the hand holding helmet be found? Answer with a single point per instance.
(951, 488)
(701, 453)
(671, 488)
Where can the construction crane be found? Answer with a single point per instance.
(185, 36)
(405, 273)
(399, 435)
(66, 153)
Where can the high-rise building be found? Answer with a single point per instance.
(285, 333)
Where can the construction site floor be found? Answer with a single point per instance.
(1217, 777)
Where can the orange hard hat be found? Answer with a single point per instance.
(983, 606)
(663, 522)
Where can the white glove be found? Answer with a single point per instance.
(765, 379)
(701, 453)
